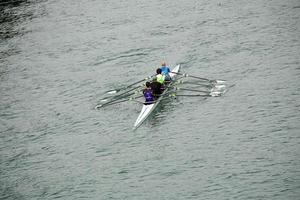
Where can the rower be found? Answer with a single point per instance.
(165, 70)
(156, 88)
(148, 94)
(160, 77)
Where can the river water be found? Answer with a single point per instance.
(57, 59)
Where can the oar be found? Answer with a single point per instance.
(187, 95)
(122, 94)
(200, 78)
(208, 93)
(128, 86)
(193, 90)
(118, 97)
(116, 102)
(114, 99)
(195, 83)
(191, 95)
(188, 75)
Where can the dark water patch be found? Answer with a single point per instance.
(11, 17)
(12, 3)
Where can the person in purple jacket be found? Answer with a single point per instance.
(148, 94)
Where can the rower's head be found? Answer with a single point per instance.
(147, 84)
(163, 64)
(158, 71)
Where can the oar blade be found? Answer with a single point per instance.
(220, 81)
(112, 92)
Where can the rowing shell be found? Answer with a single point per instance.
(147, 109)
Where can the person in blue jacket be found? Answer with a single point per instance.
(165, 70)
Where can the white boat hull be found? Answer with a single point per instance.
(147, 109)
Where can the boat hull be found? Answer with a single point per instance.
(147, 109)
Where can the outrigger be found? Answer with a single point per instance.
(133, 92)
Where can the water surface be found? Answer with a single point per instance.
(58, 58)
